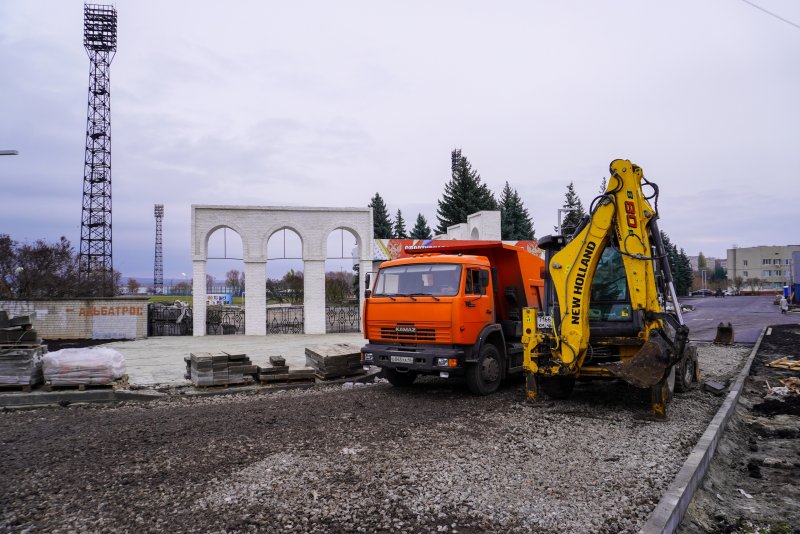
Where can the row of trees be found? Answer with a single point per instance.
(463, 195)
(45, 270)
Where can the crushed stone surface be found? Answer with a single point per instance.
(353, 458)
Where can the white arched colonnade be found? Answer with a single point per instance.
(255, 225)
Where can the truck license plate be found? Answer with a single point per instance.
(544, 322)
(402, 359)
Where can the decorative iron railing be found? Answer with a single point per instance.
(171, 320)
(168, 320)
(342, 319)
(224, 320)
(285, 320)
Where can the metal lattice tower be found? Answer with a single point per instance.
(158, 265)
(100, 41)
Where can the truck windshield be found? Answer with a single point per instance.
(436, 279)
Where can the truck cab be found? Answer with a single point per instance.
(454, 312)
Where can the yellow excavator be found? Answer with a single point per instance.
(604, 310)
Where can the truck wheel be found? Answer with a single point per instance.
(398, 379)
(484, 376)
(557, 387)
(685, 370)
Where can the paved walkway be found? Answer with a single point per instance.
(159, 360)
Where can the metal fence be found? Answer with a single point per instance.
(224, 320)
(170, 320)
(166, 320)
(342, 319)
(285, 320)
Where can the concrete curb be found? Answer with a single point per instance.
(49, 398)
(673, 504)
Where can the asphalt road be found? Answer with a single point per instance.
(748, 315)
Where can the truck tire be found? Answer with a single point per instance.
(398, 379)
(685, 370)
(557, 387)
(484, 376)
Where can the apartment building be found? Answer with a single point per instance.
(773, 266)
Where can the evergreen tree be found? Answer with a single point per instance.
(381, 225)
(571, 218)
(399, 229)
(603, 185)
(680, 266)
(683, 280)
(515, 222)
(463, 195)
(421, 229)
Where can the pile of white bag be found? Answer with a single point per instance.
(90, 366)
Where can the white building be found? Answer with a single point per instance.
(772, 266)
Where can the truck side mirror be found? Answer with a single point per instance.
(367, 293)
(367, 277)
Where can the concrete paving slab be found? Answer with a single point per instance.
(159, 360)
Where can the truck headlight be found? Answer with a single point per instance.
(441, 362)
(367, 356)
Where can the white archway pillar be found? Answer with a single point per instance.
(314, 296)
(364, 266)
(255, 301)
(199, 297)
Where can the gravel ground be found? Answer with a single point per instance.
(374, 458)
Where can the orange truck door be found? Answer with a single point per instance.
(478, 308)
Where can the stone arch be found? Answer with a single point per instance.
(255, 225)
(475, 235)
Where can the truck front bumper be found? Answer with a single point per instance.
(421, 359)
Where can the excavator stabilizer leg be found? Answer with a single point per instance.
(648, 367)
(532, 386)
(724, 334)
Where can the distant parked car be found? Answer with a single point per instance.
(730, 292)
(702, 293)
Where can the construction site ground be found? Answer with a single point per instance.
(354, 457)
(753, 482)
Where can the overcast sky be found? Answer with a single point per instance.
(324, 103)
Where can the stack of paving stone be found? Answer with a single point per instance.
(21, 351)
(278, 371)
(335, 360)
(219, 369)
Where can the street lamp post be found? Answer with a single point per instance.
(560, 211)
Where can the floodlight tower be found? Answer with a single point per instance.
(100, 41)
(158, 266)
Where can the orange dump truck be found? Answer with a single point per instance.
(452, 310)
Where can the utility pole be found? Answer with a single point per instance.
(158, 266)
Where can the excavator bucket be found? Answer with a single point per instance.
(647, 367)
(724, 334)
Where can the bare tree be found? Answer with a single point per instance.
(133, 286)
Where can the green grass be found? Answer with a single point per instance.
(170, 299)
